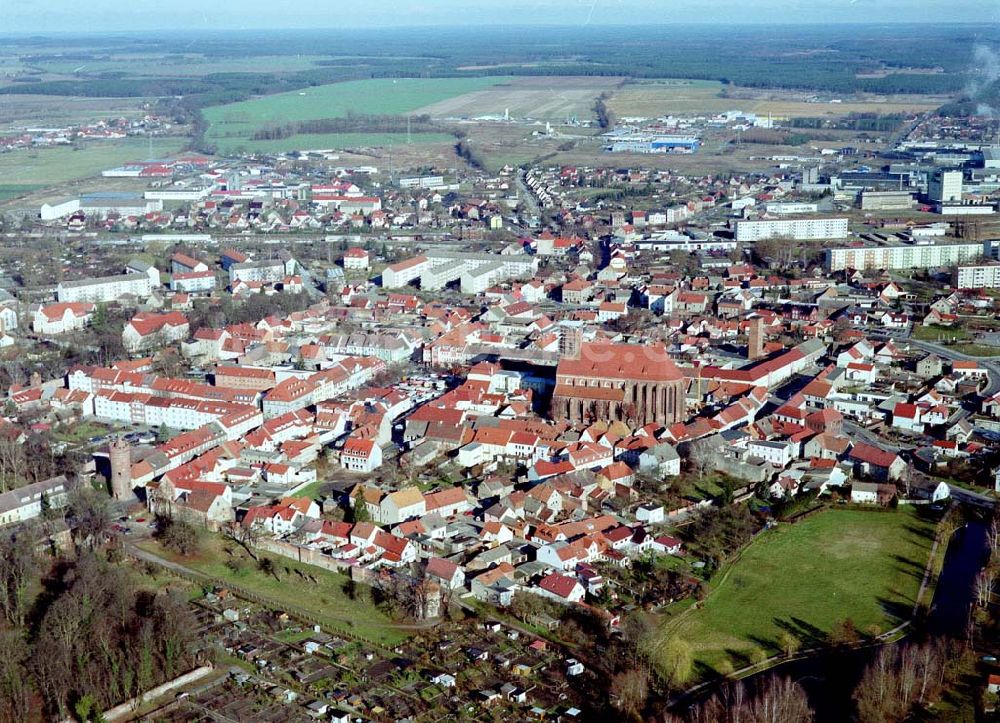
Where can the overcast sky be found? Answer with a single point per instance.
(46, 16)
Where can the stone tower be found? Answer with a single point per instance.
(120, 453)
(755, 347)
(570, 339)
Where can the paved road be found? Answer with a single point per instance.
(856, 431)
(973, 498)
(534, 210)
(991, 363)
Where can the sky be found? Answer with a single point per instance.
(61, 16)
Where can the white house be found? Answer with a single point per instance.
(360, 455)
(356, 259)
(777, 453)
(62, 317)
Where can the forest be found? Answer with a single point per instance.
(79, 634)
(831, 59)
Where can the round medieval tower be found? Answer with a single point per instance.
(120, 453)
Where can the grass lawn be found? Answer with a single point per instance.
(325, 600)
(977, 349)
(231, 125)
(938, 333)
(80, 431)
(803, 578)
(46, 166)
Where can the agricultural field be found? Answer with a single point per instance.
(544, 98)
(47, 111)
(177, 65)
(802, 579)
(232, 125)
(650, 99)
(22, 169)
(324, 141)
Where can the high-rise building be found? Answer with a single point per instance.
(945, 186)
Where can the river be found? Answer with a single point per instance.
(829, 678)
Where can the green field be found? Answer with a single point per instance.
(324, 600)
(47, 166)
(8, 191)
(324, 141)
(939, 333)
(803, 578)
(231, 125)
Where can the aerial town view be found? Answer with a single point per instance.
(526, 360)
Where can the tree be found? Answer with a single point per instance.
(898, 680)
(245, 536)
(630, 689)
(15, 688)
(266, 565)
(674, 660)
(17, 568)
(844, 633)
(359, 512)
(89, 514)
(774, 700)
(790, 644)
(178, 535)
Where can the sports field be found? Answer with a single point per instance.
(804, 578)
(231, 125)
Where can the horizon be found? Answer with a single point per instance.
(58, 17)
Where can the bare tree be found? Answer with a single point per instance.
(630, 689)
(775, 700)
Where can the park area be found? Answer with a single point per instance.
(800, 581)
(293, 587)
(231, 126)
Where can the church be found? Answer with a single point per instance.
(632, 383)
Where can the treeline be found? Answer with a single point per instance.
(853, 122)
(249, 310)
(351, 123)
(774, 138)
(903, 683)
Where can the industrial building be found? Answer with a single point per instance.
(653, 144)
(887, 201)
(945, 186)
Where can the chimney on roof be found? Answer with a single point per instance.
(755, 346)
